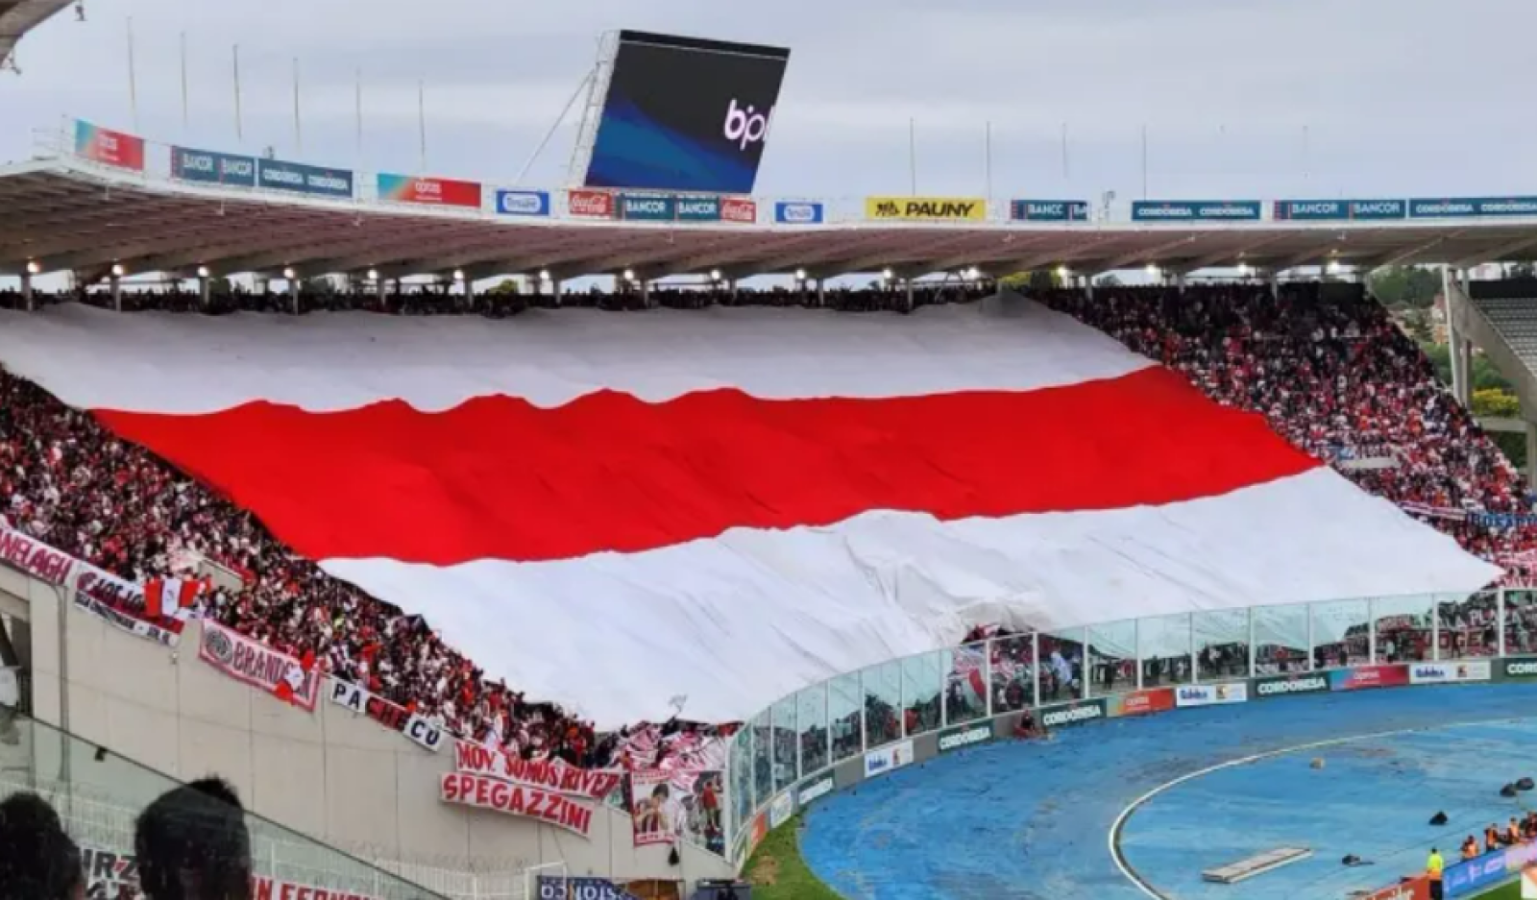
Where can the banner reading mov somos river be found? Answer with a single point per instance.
(552, 774)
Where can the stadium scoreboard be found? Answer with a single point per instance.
(686, 114)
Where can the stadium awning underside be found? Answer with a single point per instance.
(61, 215)
(17, 17)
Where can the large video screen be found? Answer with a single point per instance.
(684, 114)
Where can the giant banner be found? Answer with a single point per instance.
(428, 191)
(423, 731)
(668, 804)
(259, 666)
(1049, 210)
(121, 604)
(551, 774)
(685, 115)
(1195, 211)
(34, 557)
(112, 148)
(209, 167)
(467, 789)
(925, 209)
(1473, 207)
(1339, 210)
(277, 175)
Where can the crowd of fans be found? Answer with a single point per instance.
(1336, 377)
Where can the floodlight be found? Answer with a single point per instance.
(373, 274)
(800, 274)
(202, 271)
(118, 270)
(290, 274)
(33, 267)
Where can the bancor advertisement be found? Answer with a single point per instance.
(685, 114)
(926, 209)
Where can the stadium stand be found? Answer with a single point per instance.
(1335, 376)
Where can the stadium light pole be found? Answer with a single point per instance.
(912, 154)
(987, 160)
(185, 117)
(298, 125)
(1064, 153)
(421, 122)
(239, 130)
(1144, 162)
(358, 108)
(133, 82)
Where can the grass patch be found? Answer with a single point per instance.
(777, 871)
(1508, 891)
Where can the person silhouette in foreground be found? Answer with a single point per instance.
(38, 861)
(192, 844)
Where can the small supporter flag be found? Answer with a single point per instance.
(170, 598)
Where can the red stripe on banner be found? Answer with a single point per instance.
(497, 478)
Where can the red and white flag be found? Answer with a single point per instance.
(611, 510)
(170, 598)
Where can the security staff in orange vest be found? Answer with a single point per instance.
(1491, 838)
(1433, 867)
(1470, 848)
(1513, 833)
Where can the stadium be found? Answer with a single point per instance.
(659, 522)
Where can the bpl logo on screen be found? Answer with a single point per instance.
(746, 126)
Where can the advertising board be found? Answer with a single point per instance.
(1287, 685)
(1464, 878)
(277, 175)
(428, 191)
(1192, 695)
(523, 203)
(781, 809)
(1518, 668)
(813, 790)
(590, 204)
(209, 167)
(1075, 713)
(1368, 677)
(1450, 672)
(698, 209)
(888, 759)
(925, 209)
(1195, 211)
(1049, 210)
(796, 212)
(1339, 210)
(964, 736)
(1473, 208)
(647, 207)
(739, 210)
(573, 887)
(1142, 703)
(112, 148)
(684, 114)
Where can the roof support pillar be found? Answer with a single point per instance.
(821, 293)
(205, 290)
(908, 282)
(379, 288)
(26, 291)
(293, 293)
(117, 291)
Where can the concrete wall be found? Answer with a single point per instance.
(331, 775)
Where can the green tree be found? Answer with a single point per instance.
(1485, 375)
(1038, 280)
(1496, 402)
(1411, 286)
(505, 286)
(1417, 322)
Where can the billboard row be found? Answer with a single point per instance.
(1339, 210)
(211, 167)
(683, 114)
(1195, 211)
(298, 178)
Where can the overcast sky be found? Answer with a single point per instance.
(1396, 97)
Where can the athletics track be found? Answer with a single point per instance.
(1032, 820)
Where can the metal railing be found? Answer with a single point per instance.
(803, 736)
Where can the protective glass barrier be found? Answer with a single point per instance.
(816, 746)
(1112, 658)
(1468, 626)
(1164, 648)
(1221, 644)
(99, 796)
(1403, 628)
(966, 683)
(920, 694)
(861, 711)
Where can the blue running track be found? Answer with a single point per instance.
(1032, 820)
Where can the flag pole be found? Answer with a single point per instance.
(239, 130)
(359, 104)
(987, 159)
(421, 122)
(298, 125)
(184, 114)
(912, 155)
(133, 82)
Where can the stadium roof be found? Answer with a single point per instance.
(63, 214)
(17, 17)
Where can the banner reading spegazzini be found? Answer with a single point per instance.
(514, 800)
(260, 666)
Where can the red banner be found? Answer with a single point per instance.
(514, 800)
(113, 148)
(735, 209)
(552, 774)
(590, 204)
(260, 666)
(121, 604)
(34, 557)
